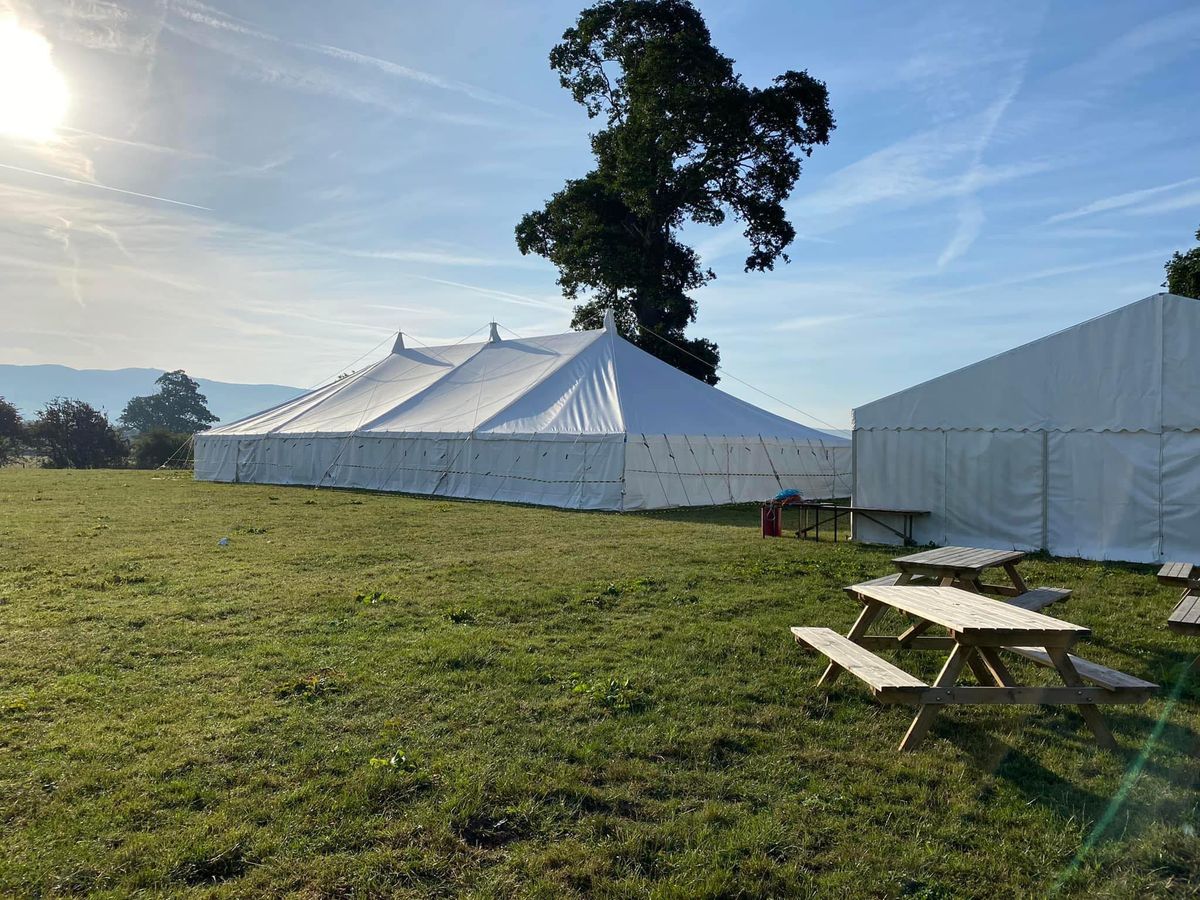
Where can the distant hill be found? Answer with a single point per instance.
(29, 387)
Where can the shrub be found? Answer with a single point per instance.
(75, 435)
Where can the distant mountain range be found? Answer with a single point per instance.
(30, 387)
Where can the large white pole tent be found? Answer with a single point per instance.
(1084, 443)
(583, 420)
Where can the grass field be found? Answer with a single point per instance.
(367, 695)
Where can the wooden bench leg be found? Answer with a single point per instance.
(1017, 580)
(983, 674)
(1091, 715)
(871, 611)
(925, 716)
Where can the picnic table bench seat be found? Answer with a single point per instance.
(1185, 618)
(1107, 678)
(1039, 598)
(889, 683)
(1176, 573)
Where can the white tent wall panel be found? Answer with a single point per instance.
(994, 464)
(216, 458)
(571, 473)
(1081, 493)
(901, 470)
(1102, 501)
(1181, 495)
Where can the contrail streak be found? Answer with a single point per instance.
(104, 187)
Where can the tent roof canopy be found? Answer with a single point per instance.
(1132, 369)
(574, 384)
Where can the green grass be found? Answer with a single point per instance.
(367, 694)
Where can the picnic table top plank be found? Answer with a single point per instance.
(959, 558)
(972, 617)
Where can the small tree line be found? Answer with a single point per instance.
(73, 434)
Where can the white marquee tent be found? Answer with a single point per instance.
(582, 420)
(1085, 443)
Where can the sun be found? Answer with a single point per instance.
(33, 93)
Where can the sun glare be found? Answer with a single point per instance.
(33, 93)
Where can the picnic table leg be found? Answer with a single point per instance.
(1091, 715)
(871, 611)
(926, 714)
(1017, 580)
(996, 666)
(983, 673)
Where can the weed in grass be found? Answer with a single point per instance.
(461, 616)
(322, 683)
(374, 598)
(617, 695)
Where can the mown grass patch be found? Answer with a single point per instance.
(367, 694)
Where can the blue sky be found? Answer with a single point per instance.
(326, 173)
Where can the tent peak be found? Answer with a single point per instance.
(494, 335)
(399, 345)
(610, 321)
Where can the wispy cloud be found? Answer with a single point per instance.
(313, 78)
(1123, 201)
(971, 217)
(60, 232)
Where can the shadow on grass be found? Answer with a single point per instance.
(1167, 750)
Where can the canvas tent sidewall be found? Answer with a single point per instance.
(1089, 494)
(579, 472)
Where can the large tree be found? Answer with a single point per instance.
(683, 140)
(75, 435)
(178, 406)
(1183, 272)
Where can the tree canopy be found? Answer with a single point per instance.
(1183, 272)
(683, 140)
(178, 406)
(75, 435)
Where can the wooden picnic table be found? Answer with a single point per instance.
(979, 628)
(963, 567)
